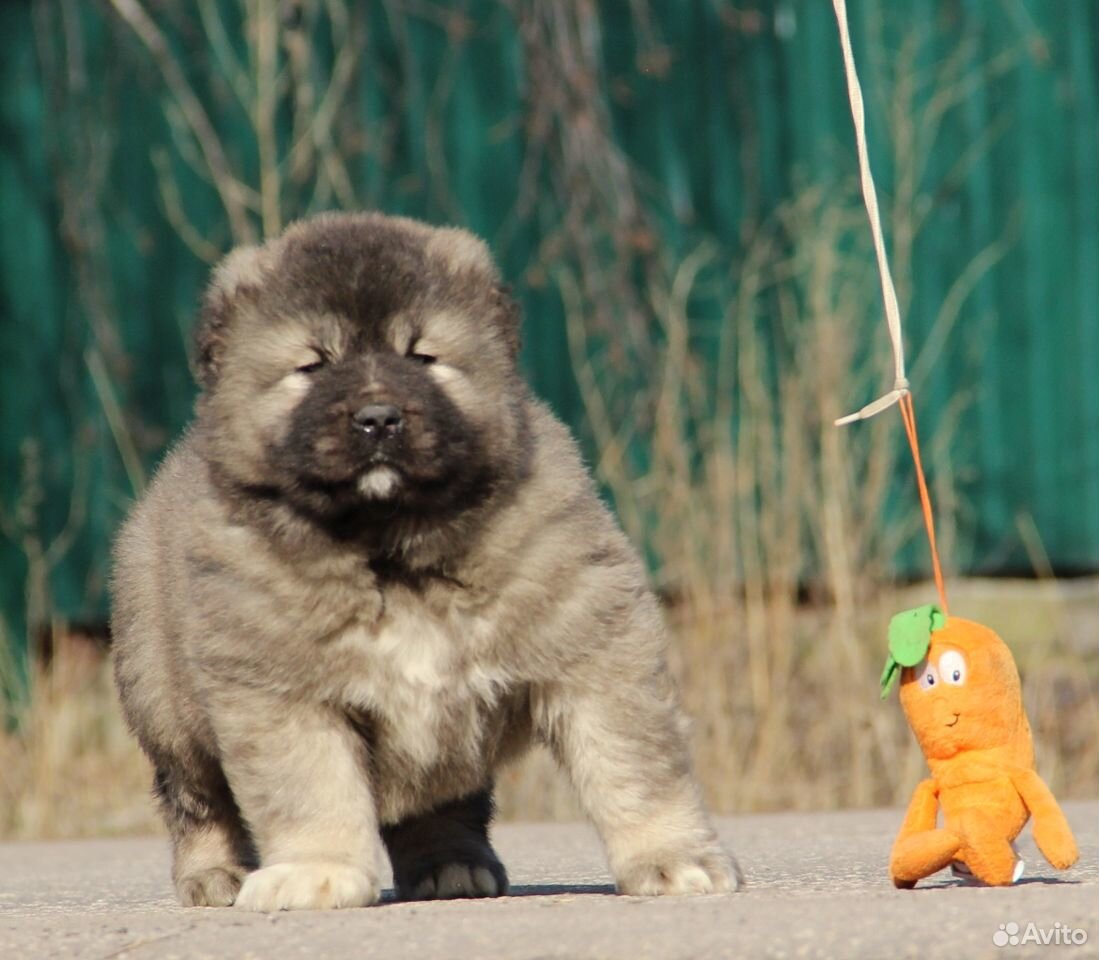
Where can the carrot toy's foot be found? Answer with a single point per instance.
(960, 872)
(919, 855)
(989, 855)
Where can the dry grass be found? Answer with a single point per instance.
(68, 765)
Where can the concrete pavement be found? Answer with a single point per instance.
(817, 887)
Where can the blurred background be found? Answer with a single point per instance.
(670, 187)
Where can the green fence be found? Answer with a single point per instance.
(596, 149)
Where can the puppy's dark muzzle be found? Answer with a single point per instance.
(379, 421)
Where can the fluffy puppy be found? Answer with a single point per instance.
(373, 570)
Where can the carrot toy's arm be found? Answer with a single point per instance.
(923, 809)
(1051, 829)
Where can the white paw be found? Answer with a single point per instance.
(310, 885)
(680, 876)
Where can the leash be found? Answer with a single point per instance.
(901, 393)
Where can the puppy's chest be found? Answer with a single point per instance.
(425, 680)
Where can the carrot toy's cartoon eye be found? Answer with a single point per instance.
(929, 676)
(952, 668)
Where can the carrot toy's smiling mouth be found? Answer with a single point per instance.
(955, 720)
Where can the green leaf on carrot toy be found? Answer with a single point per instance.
(909, 637)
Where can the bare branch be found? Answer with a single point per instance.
(135, 16)
(177, 216)
(262, 28)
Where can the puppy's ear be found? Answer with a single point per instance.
(463, 253)
(236, 278)
(510, 317)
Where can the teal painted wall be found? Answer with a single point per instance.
(722, 112)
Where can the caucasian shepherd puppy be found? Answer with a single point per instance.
(373, 571)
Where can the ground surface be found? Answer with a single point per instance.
(817, 887)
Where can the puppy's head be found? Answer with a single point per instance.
(362, 366)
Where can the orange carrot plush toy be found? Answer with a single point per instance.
(959, 686)
(961, 694)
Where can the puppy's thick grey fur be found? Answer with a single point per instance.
(328, 638)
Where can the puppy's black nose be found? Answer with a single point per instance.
(378, 420)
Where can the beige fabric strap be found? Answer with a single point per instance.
(870, 197)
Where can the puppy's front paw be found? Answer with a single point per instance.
(310, 885)
(213, 887)
(679, 875)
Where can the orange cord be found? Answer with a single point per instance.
(908, 414)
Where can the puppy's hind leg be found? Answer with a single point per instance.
(211, 849)
(446, 853)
